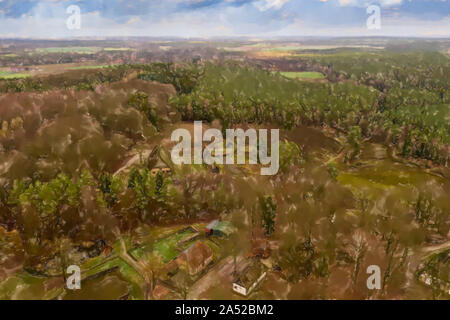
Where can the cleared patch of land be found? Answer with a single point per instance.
(302, 75)
(90, 67)
(79, 50)
(12, 75)
(117, 49)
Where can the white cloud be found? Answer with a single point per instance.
(271, 18)
(264, 5)
(365, 3)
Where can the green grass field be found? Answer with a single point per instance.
(302, 75)
(9, 75)
(166, 248)
(286, 48)
(9, 56)
(91, 67)
(117, 49)
(79, 50)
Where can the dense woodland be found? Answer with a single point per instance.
(63, 137)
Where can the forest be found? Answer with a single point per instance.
(364, 166)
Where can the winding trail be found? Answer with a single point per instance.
(135, 159)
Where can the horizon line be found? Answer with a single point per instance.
(247, 37)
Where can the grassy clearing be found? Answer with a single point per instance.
(359, 182)
(303, 75)
(259, 45)
(117, 49)
(166, 248)
(10, 75)
(385, 174)
(381, 175)
(286, 48)
(232, 49)
(91, 67)
(9, 56)
(79, 50)
(273, 54)
(151, 235)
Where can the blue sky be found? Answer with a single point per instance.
(209, 18)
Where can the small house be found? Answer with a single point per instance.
(220, 228)
(209, 228)
(260, 248)
(196, 258)
(247, 281)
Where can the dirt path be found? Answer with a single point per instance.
(221, 274)
(133, 160)
(432, 249)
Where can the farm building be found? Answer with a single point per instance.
(163, 291)
(210, 226)
(196, 258)
(260, 248)
(250, 278)
(219, 228)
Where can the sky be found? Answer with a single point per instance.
(47, 19)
